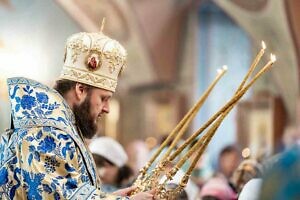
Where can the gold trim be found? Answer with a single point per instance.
(89, 79)
(82, 70)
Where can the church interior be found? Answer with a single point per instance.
(174, 51)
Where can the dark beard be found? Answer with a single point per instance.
(83, 119)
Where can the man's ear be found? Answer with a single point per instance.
(80, 92)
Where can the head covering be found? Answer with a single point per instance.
(219, 188)
(247, 170)
(191, 188)
(109, 149)
(137, 160)
(93, 59)
(251, 190)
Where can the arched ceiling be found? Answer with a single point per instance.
(268, 20)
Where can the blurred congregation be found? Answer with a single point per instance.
(174, 49)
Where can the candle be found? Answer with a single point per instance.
(207, 137)
(205, 140)
(266, 67)
(220, 73)
(238, 95)
(178, 132)
(186, 119)
(221, 115)
(253, 65)
(202, 143)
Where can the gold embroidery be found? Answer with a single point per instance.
(94, 59)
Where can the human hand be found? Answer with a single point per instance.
(125, 191)
(149, 195)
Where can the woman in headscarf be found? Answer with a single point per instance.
(111, 158)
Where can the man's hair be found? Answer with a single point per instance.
(124, 172)
(63, 86)
(210, 198)
(229, 149)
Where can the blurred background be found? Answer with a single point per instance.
(174, 49)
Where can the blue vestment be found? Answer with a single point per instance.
(43, 156)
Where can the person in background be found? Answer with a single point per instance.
(183, 195)
(217, 188)
(251, 190)
(202, 171)
(137, 161)
(111, 158)
(247, 170)
(191, 189)
(229, 159)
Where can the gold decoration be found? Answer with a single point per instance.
(93, 59)
(148, 180)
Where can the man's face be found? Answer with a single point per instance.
(229, 162)
(108, 173)
(91, 110)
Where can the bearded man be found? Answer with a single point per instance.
(43, 155)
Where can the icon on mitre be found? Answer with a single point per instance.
(93, 62)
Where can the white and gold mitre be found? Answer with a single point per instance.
(93, 59)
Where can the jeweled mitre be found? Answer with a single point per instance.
(93, 59)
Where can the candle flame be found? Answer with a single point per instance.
(223, 69)
(219, 71)
(273, 58)
(263, 44)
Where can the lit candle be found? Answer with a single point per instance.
(258, 57)
(238, 95)
(179, 130)
(192, 113)
(266, 67)
(183, 123)
(253, 65)
(202, 143)
(229, 106)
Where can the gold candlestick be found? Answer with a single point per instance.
(203, 142)
(254, 64)
(152, 179)
(178, 132)
(212, 130)
(266, 67)
(220, 72)
(186, 118)
(199, 144)
(209, 134)
(224, 108)
(237, 97)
